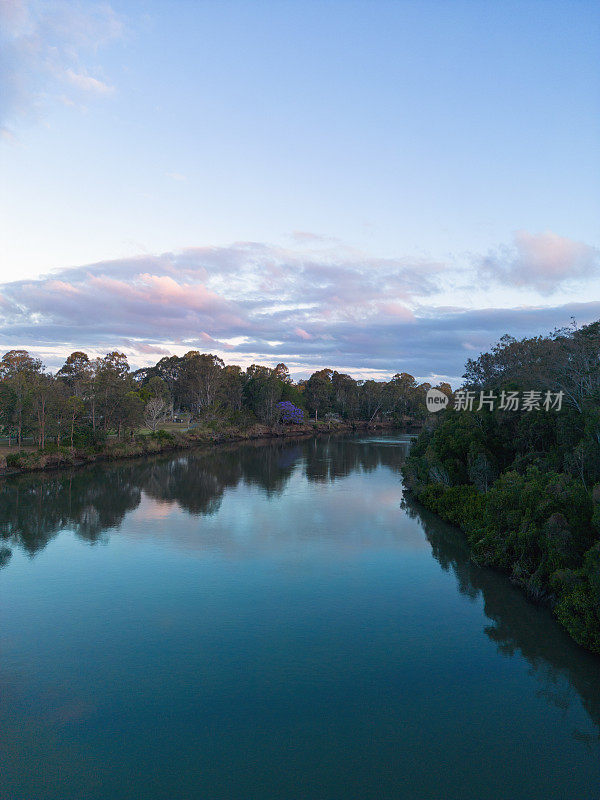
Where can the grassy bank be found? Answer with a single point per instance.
(152, 443)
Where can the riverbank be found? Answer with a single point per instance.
(563, 561)
(162, 442)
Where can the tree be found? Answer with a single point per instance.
(577, 370)
(75, 408)
(289, 413)
(76, 373)
(371, 399)
(43, 391)
(201, 379)
(130, 413)
(18, 362)
(345, 394)
(112, 383)
(262, 390)
(20, 371)
(8, 405)
(319, 392)
(155, 412)
(282, 373)
(170, 369)
(232, 378)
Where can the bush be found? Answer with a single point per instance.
(86, 438)
(162, 436)
(578, 609)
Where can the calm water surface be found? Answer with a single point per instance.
(270, 622)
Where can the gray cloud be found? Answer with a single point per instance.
(254, 302)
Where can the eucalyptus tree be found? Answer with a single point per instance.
(319, 392)
(112, 383)
(262, 391)
(19, 372)
(75, 373)
(201, 378)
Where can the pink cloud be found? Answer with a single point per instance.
(397, 310)
(544, 262)
(62, 287)
(354, 313)
(302, 334)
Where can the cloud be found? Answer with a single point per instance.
(545, 262)
(87, 83)
(43, 49)
(249, 299)
(144, 349)
(253, 302)
(306, 237)
(302, 334)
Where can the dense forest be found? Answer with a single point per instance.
(525, 484)
(88, 399)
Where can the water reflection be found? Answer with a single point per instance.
(564, 670)
(93, 500)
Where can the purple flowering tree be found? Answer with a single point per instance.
(288, 412)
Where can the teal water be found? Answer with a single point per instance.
(270, 621)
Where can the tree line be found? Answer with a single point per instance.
(88, 398)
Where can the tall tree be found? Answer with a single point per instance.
(20, 371)
(76, 373)
(113, 382)
(319, 392)
(201, 377)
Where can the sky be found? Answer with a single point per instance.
(374, 187)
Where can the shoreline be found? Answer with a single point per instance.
(547, 600)
(148, 445)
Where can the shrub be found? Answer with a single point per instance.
(86, 438)
(13, 460)
(162, 436)
(578, 609)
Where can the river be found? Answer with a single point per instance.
(273, 621)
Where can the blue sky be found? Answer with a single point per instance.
(374, 186)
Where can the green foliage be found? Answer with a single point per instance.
(86, 438)
(162, 436)
(519, 484)
(13, 460)
(578, 608)
(460, 505)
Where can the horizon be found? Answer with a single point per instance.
(374, 188)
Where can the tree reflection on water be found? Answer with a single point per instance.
(93, 501)
(564, 670)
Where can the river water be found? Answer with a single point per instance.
(273, 621)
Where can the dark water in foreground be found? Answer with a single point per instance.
(268, 622)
